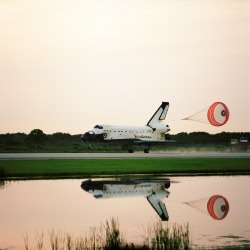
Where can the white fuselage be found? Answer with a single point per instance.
(111, 132)
(124, 190)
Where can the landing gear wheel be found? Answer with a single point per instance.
(131, 151)
(146, 151)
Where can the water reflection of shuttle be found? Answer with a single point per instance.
(153, 190)
(216, 206)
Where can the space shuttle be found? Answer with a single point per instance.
(153, 190)
(153, 133)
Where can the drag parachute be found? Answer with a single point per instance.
(217, 115)
(216, 206)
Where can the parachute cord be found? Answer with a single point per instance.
(196, 114)
(200, 116)
(174, 120)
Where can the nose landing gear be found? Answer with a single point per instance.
(145, 148)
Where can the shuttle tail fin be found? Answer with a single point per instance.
(158, 206)
(160, 114)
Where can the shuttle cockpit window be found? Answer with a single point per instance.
(98, 126)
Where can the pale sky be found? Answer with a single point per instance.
(67, 65)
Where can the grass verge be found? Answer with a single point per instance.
(54, 168)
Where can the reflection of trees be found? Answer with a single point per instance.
(2, 184)
(2, 172)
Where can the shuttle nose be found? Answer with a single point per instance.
(87, 185)
(92, 137)
(87, 136)
(83, 137)
(167, 184)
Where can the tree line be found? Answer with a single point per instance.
(38, 141)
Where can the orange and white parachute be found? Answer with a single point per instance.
(216, 206)
(217, 115)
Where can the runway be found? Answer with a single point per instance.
(34, 156)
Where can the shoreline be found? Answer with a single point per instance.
(85, 167)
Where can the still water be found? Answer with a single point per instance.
(217, 208)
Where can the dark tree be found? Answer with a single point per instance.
(36, 137)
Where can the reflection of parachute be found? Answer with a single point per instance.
(217, 115)
(216, 206)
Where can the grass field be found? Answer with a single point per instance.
(55, 168)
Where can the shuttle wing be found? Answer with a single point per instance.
(153, 142)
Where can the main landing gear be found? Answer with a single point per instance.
(145, 148)
(129, 148)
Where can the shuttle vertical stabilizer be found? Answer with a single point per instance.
(159, 115)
